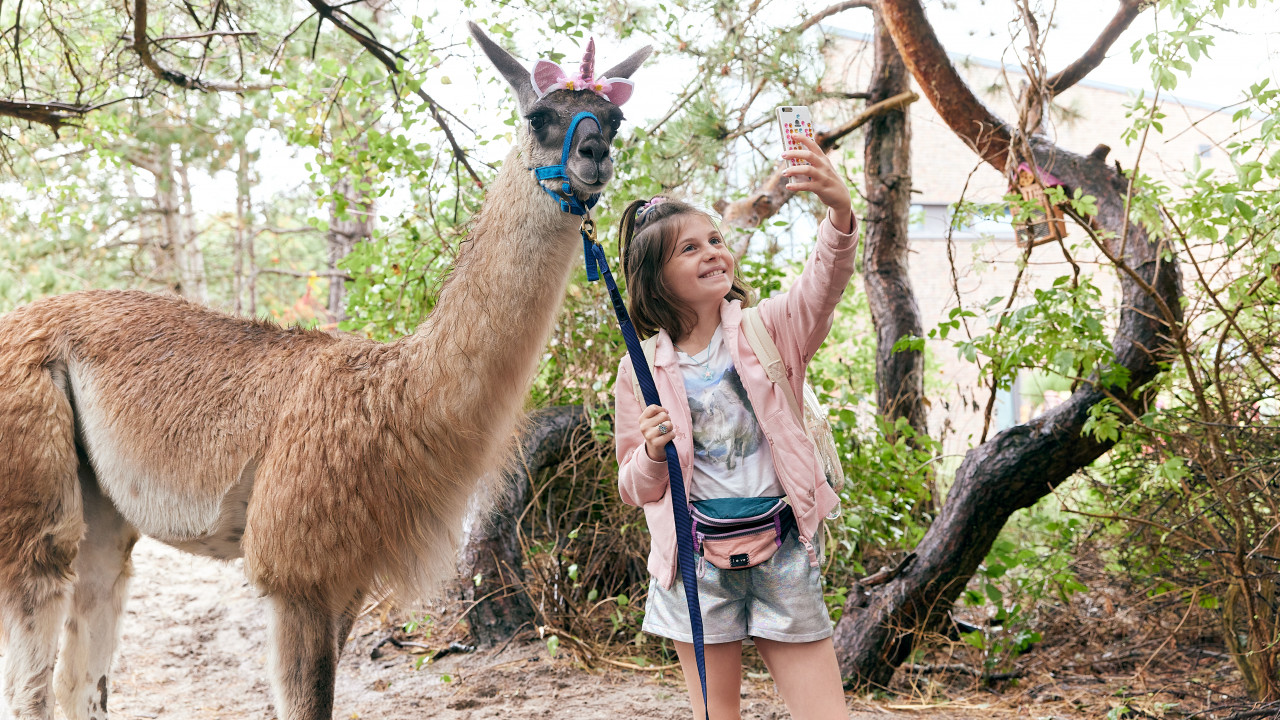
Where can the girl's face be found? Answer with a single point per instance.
(700, 270)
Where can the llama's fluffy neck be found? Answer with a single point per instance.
(473, 359)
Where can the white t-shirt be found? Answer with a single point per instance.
(731, 457)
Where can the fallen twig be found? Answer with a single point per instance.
(961, 669)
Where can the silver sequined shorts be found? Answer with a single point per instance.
(779, 599)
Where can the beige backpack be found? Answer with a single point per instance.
(812, 415)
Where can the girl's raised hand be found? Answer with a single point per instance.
(824, 180)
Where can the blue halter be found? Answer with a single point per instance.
(568, 201)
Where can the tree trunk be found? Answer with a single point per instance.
(357, 225)
(168, 245)
(344, 233)
(191, 255)
(244, 230)
(491, 565)
(899, 376)
(1019, 466)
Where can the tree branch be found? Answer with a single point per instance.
(142, 46)
(386, 56)
(1085, 64)
(53, 114)
(209, 34)
(770, 196)
(833, 10)
(827, 140)
(305, 273)
(972, 121)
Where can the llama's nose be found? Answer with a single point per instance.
(594, 148)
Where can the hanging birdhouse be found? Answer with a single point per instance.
(1045, 223)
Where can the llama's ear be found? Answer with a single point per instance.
(628, 66)
(515, 73)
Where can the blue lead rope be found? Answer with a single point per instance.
(595, 258)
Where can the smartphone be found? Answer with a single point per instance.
(795, 120)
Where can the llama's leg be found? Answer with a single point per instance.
(35, 586)
(32, 615)
(102, 570)
(347, 620)
(40, 529)
(304, 657)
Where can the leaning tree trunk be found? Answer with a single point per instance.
(1019, 466)
(492, 579)
(899, 376)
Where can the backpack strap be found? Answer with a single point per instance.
(767, 352)
(650, 347)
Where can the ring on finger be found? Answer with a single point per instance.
(663, 429)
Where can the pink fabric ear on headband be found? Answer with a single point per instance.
(549, 77)
(616, 90)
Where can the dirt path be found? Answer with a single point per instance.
(194, 646)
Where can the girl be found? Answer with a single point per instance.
(736, 437)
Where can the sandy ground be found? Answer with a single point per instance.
(193, 645)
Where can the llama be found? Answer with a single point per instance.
(335, 466)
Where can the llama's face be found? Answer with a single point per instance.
(589, 163)
(547, 119)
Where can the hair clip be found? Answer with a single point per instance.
(644, 209)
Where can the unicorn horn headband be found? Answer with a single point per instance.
(548, 77)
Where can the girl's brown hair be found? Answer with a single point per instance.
(647, 236)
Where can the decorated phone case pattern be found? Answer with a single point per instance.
(793, 124)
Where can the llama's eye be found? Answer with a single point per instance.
(538, 121)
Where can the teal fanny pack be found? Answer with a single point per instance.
(739, 533)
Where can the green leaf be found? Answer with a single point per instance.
(994, 594)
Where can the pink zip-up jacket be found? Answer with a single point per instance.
(798, 321)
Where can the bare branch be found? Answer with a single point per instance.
(142, 46)
(53, 114)
(1085, 64)
(306, 273)
(833, 10)
(285, 231)
(828, 140)
(209, 34)
(384, 55)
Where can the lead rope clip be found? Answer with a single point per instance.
(589, 243)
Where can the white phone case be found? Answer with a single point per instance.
(795, 120)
